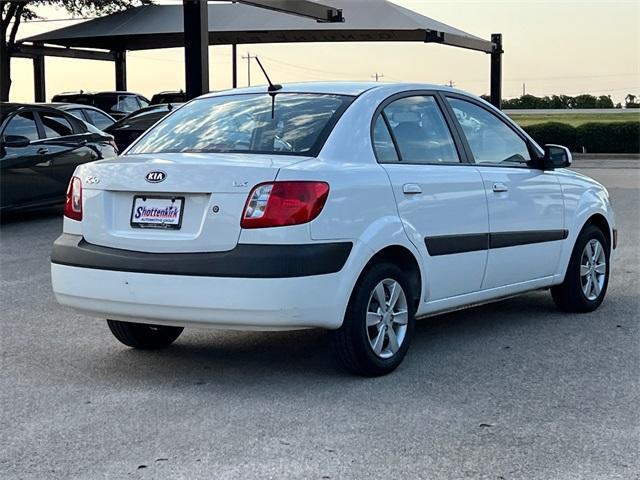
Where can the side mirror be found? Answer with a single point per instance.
(557, 156)
(15, 141)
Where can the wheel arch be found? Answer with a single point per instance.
(600, 221)
(597, 219)
(406, 260)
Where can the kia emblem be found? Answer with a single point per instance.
(155, 176)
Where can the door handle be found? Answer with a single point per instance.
(500, 187)
(42, 151)
(411, 189)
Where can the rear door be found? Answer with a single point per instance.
(62, 148)
(440, 197)
(526, 220)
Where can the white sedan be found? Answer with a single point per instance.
(351, 207)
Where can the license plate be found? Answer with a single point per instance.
(157, 212)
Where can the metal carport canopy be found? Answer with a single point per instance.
(162, 26)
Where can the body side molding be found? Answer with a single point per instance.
(451, 244)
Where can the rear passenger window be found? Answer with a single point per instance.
(383, 143)
(22, 124)
(55, 125)
(420, 131)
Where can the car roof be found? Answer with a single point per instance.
(337, 88)
(66, 106)
(107, 92)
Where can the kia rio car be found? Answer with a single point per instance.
(355, 208)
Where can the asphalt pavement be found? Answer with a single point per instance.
(511, 390)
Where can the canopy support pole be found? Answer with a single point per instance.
(496, 70)
(121, 70)
(234, 65)
(196, 47)
(39, 82)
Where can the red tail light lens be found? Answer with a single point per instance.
(279, 204)
(73, 204)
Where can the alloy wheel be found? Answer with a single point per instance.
(387, 318)
(593, 269)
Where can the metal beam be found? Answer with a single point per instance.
(496, 70)
(196, 47)
(121, 70)
(32, 51)
(303, 8)
(470, 43)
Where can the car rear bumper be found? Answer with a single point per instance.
(190, 299)
(244, 261)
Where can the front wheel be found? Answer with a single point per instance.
(379, 322)
(587, 278)
(143, 336)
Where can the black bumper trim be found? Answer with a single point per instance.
(244, 261)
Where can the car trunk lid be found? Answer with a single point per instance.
(208, 192)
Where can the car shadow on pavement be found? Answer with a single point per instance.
(264, 357)
(18, 217)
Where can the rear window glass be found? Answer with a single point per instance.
(117, 103)
(287, 123)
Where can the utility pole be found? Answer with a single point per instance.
(248, 58)
(524, 89)
(377, 76)
(451, 83)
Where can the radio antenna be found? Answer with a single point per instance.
(272, 88)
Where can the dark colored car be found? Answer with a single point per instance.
(40, 147)
(169, 97)
(125, 131)
(86, 113)
(116, 104)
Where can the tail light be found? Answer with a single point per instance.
(279, 204)
(73, 204)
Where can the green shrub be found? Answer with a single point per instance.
(596, 137)
(555, 133)
(623, 137)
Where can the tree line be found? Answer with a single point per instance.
(531, 102)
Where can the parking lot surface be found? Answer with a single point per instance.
(511, 390)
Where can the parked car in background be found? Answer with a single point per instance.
(169, 97)
(86, 113)
(116, 104)
(126, 130)
(40, 147)
(355, 207)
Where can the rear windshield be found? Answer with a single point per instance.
(285, 123)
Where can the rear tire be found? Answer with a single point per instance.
(379, 322)
(143, 336)
(587, 277)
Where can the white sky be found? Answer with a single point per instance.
(564, 47)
